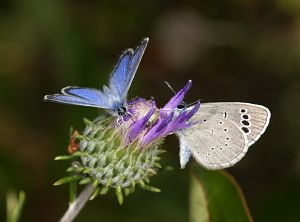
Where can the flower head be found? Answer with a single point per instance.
(167, 122)
(123, 153)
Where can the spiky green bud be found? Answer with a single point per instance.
(105, 160)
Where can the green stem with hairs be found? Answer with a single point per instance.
(76, 206)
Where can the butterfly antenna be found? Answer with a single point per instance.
(193, 103)
(170, 87)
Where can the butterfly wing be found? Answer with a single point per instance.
(112, 97)
(252, 119)
(184, 152)
(215, 144)
(125, 69)
(80, 96)
(221, 137)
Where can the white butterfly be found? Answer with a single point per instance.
(223, 133)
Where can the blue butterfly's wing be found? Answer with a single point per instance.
(88, 94)
(118, 77)
(81, 96)
(124, 72)
(112, 97)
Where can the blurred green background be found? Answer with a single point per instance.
(233, 50)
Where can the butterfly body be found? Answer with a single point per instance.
(222, 133)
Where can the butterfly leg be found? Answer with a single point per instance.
(118, 122)
(124, 128)
(133, 119)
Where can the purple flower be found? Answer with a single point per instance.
(122, 152)
(151, 124)
(157, 131)
(177, 99)
(140, 124)
(181, 120)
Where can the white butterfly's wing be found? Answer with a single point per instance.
(252, 119)
(184, 152)
(231, 125)
(215, 143)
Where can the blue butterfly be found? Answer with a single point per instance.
(113, 99)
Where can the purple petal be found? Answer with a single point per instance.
(157, 130)
(164, 123)
(167, 123)
(181, 121)
(139, 125)
(177, 99)
(194, 110)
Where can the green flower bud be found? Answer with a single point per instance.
(105, 160)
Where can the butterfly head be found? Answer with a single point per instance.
(122, 111)
(182, 106)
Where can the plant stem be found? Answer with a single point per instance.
(78, 204)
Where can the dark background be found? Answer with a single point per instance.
(232, 50)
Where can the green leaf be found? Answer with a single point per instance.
(198, 202)
(104, 190)
(216, 196)
(66, 180)
(95, 194)
(66, 157)
(71, 130)
(14, 206)
(119, 195)
(85, 181)
(72, 191)
(142, 183)
(152, 189)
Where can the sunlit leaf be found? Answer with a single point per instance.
(216, 196)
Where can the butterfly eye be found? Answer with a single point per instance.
(122, 110)
(180, 106)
